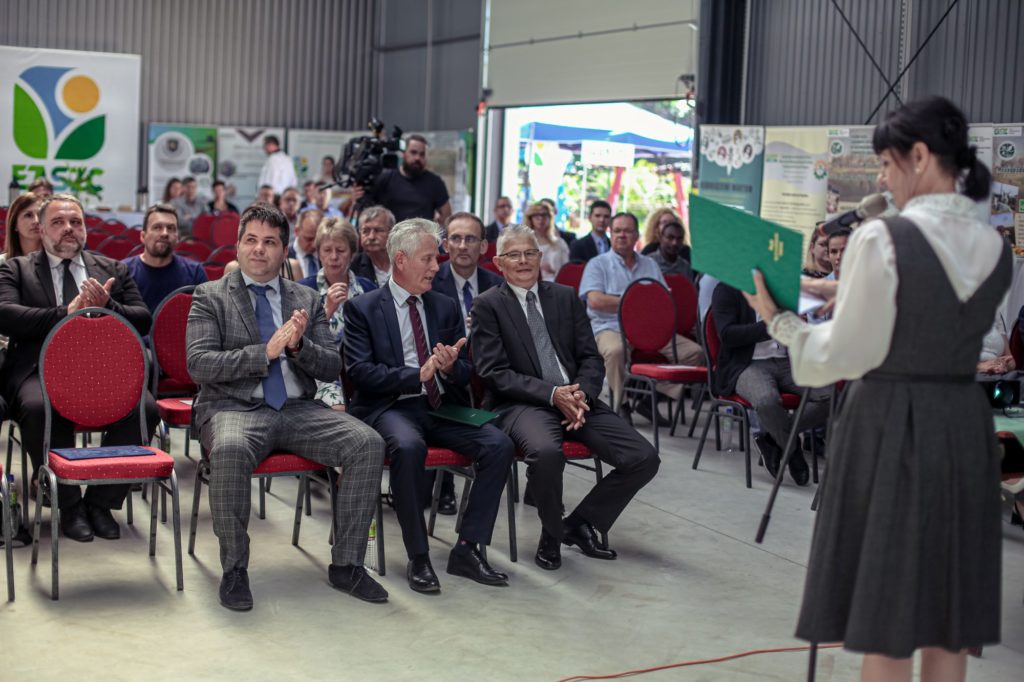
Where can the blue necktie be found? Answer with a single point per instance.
(311, 265)
(274, 391)
(467, 297)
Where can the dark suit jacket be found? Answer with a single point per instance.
(363, 267)
(506, 358)
(444, 282)
(585, 248)
(739, 330)
(226, 354)
(375, 360)
(28, 307)
(491, 232)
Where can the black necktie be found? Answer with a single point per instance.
(69, 287)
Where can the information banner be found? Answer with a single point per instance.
(795, 176)
(853, 168)
(240, 159)
(731, 160)
(1008, 180)
(980, 137)
(309, 147)
(448, 155)
(71, 117)
(181, 151)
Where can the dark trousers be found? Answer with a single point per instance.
(28, 410)
(407, 429)
(538, 433)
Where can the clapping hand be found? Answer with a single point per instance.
(92, 295)
(444, 357)
(298, 322)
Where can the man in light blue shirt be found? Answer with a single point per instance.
(605, 279)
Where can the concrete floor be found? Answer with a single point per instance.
(690, 583)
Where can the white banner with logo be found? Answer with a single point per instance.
(72, 117)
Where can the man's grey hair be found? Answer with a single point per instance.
(514, 232)
(45, 203)
(405, 236)
(373, 212)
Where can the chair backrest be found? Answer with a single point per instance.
(102, 390)
(136, 251)
(710, 343)
(571, 274)
(93, 239)
(202, 228)
(117, 247)
(214, 271)
(167, 337)
(647, 317)
(113, 226)
(194, 250)
(223, 254)
(225, 229)
(491, 267)
(92, 221)
(685, 296)
(489, 252)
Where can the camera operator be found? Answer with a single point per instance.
(411, 191)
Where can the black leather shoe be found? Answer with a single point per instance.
(357, 582)
(102, 522)
(467, 561)
(585, 537)
(74, 523)
(643, 408)
(798, 469)
(447, 505)
(549, 553)
(771, 453)
(234, 590)
(421, 576)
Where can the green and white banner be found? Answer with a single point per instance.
(72, 117)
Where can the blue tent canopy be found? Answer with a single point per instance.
(549, 132)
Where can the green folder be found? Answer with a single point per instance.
(470, 416)
(728, 244)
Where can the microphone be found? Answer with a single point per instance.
(869, 207)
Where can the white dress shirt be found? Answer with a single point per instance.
(57, 273)
(291, 383)
(858, 337)
(412, 358)
(278, 172)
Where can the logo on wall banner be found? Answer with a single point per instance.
(72, 118)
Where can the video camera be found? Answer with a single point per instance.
(364, 158)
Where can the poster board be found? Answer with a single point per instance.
(793, 192)
(1008, 180)
(731, 161)
(72, 118)
(853, 168)
(177, 151)
(240, 159)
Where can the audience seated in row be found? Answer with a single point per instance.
(373, 262)
(158, 271)
(652, 231)
(460, 278)
(220, 204)
(189, 205)
(502, 219)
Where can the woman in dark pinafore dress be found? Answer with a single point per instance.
(906, 552)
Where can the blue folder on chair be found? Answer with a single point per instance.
(102, 452)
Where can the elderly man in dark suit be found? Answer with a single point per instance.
(404, 350)
(256, 344)
(36, 292)
(533, 346)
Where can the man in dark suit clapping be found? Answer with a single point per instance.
(532, 344)
(405, 358)
(36, 292)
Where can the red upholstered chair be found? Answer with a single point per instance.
(202, 228)
(113, 226)
(93, 239)
(685, 296)
(175, 391)
(93, 221)
(571, 274)
(489, 252)
(647, 320)
(194, 250)
(214, 271)
(92, 395)
(225, 229)
(117, 247)
(491, 267)
(8, 532)
(443, 257)
(712, 344)
(223, 255)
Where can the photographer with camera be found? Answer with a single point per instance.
(410, 191)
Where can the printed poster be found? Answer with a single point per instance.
(980, 137)
(71, 117)
(1008, 181)
(309, 147)
(853, 169)
(795, 184)
(240, 159)
(731, 159)
(181, 151)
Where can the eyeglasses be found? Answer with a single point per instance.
(623, 230)
(367, 231)
(468, 240)
(529, 254)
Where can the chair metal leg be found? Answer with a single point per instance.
(332, 488)
(696, 411)
(435, 500)
(188, 437)
(513, 552)
(176, 523)
(814, 461)
(654, 414)
(718, 430)
(36, 526)
(128, 501)
(745, 443)
(515, 480)
(196, 494)
(54, 532)
(303, 488)
(8, 533)
(309, 502)
(263, 499)
(704, 434)
(152, 520)
(381, 567)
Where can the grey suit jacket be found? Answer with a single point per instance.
(226, 355)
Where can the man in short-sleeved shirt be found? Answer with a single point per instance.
(157, 271)
(412, 191)
(605, 279)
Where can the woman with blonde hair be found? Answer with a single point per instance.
(652, 231)
(553, 249)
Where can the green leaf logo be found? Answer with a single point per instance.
(84, 141)
(29, 126)
(50, 105)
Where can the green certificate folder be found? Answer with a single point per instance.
(470, 416)
(728, 243)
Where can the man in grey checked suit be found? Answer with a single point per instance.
(256, 344)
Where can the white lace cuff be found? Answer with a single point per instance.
(785, 327)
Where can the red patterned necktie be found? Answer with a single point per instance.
(433, 392)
